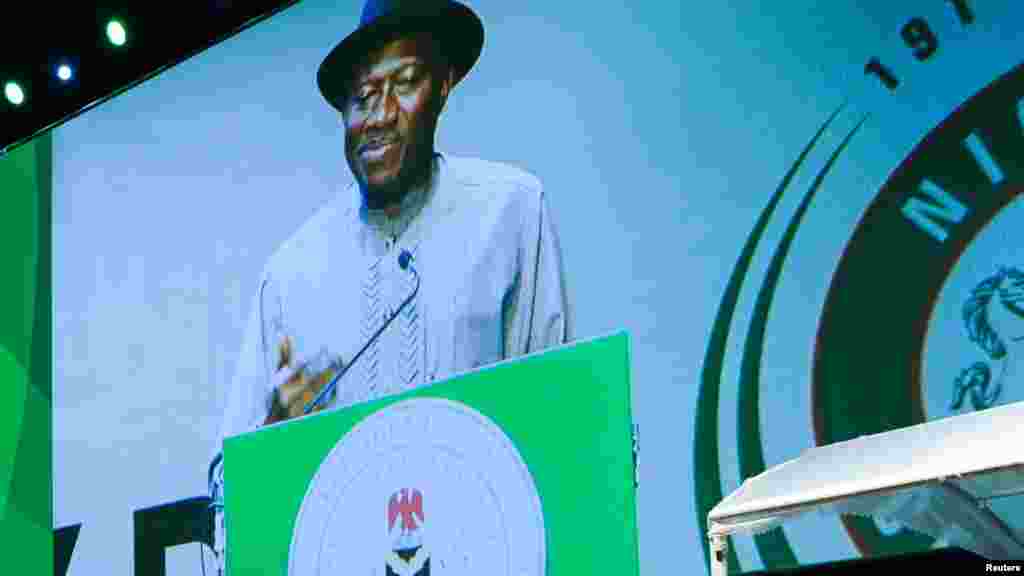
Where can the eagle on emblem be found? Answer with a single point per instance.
(408, 555)
(996, 325)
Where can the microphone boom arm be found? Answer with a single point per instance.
(406, 259)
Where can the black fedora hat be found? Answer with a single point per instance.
(456, 28)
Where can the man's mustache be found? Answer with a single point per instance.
(376, 141)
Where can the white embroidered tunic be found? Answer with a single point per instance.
(491, 288)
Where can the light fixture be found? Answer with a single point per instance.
(64, 72)
(116, 33)
(15, 95)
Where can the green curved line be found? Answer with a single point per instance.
(772, 546)
(707, 476)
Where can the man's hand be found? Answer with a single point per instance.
(296, 384)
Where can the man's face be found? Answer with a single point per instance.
(390, 118)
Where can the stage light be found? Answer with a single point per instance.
(116, 33)
(64, 72)
(15, 95)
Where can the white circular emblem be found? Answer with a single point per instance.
(421, 481)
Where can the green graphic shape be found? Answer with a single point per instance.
(867, 373)
(707, 479)
(772, 546)
(26, 510)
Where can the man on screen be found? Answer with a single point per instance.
(480, 278)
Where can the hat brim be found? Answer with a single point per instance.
(456, 28)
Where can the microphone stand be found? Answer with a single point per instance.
(405, 263)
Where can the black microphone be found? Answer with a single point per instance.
(405, 263)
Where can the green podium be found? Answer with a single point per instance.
(524, 468)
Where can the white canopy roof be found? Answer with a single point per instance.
(934, 478)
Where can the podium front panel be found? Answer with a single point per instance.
(523, 468)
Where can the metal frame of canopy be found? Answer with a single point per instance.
(935, 478)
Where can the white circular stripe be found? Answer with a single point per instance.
(482, 512)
